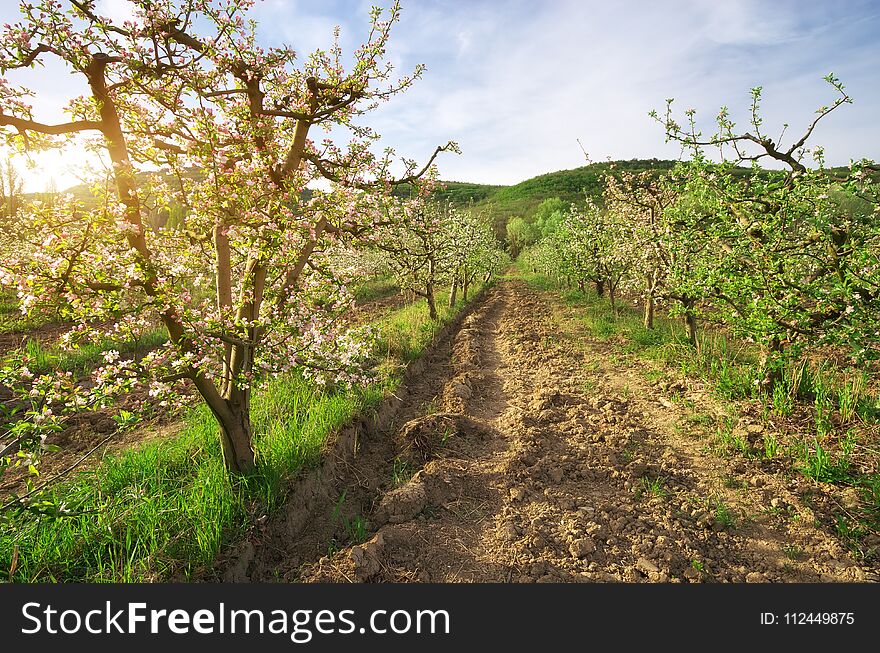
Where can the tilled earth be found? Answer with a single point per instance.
(538, 459)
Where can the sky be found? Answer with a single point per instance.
(518, 82)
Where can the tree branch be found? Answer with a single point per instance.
(22, 124)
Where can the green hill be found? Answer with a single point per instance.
(502, 203)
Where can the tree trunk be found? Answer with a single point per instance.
(465, 286)
(432, 303)
(600, 287)
(691, 321)
(649, 310)
(236, 436)
(453, 294)
(770, 365)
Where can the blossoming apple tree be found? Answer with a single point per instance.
(475, 251)
(662, 235)
(190, 110)
(428, 243)
(792, 255)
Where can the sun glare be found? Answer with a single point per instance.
(54, 170)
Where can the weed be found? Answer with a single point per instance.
(817, 462)
(732, 482)
(741, 444)
(401, 472)
(724, 436)
(848, 443)
(782, 401)
(850, 395)
(851, 532)
(819, 465)
(431, 408)
(652, 486)
(822, 402)
(723, 515)
(771, 445)
(653, 376)
(701, 419)
(355, 527)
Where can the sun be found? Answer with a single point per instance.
(53, 170)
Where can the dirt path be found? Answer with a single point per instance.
(545, 459)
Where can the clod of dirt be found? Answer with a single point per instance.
(367, 558)
(466, 350)
(508, 531)
(461, 389)
(421, 437)
(582, 547)
(517, 493)
(693, 575)
(402, 504)
(647, 567)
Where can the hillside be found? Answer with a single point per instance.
(505, 202)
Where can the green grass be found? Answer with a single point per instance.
(722, 514)
(733, 369)
(652, 486)
(404, 332)
(401, 472)
(355, 527)
(164, 509)
(11, 319)
(373, 289)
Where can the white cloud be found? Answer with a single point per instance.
(118, 11)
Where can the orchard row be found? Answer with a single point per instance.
(788, 259)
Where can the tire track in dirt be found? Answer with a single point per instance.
(555, 463)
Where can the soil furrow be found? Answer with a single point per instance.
(539, 460)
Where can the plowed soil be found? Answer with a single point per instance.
(538, 459)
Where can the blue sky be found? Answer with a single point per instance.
(517, 82)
